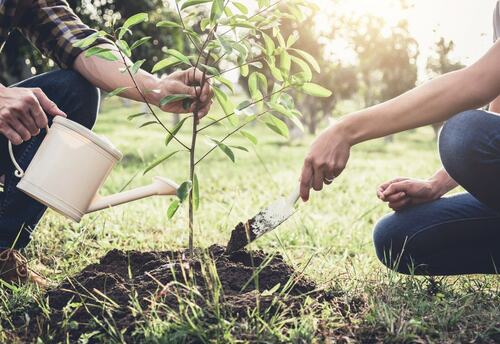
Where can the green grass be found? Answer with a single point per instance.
(333, 231)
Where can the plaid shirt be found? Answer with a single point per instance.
(50, 25)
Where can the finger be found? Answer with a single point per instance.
(305, 180)
(395, 188)
(20, 129)
(395, 197)
(12, 136)
(206, 92)
(318, 177)
(38, 114)
(48, 105)
(28, 121)
(329, 175)
(400, 204)
(194, 76)
(204, 111)
(384, 186)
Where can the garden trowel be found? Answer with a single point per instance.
(265, 221)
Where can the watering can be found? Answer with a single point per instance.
(69, 168)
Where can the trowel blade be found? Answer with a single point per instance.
(265, 221)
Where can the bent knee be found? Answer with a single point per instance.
(82, 100)
(390, 238)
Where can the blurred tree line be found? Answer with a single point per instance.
(384, 62)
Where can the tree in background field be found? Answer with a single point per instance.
(441, 63)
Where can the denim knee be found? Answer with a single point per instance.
(459, 143)
(389, 239)
(82, 99)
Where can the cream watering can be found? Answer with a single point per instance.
(70, 167)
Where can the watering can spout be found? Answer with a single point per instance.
(160, 186)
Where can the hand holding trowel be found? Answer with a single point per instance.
(265, 221)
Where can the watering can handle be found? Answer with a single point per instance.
(19, 172)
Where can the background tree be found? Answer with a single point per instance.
(441, 63)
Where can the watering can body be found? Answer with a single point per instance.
(69, 168)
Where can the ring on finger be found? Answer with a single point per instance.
(329, 180)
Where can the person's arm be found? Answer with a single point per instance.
(55, 29)
(495, 105)
(108, 76)
(435, 101)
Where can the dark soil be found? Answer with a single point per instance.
(152, 276)
(241, 236)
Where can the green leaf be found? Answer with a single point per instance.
(242, 8)
(268, 44)
(172, 208)
(304, 67)
(136, 66)
(223, 100)
(275, 72)
(165, 63)
(190, 3)
(292, 39)
(87, 41)
(175, 130)
(316, 90)
(225, 149)
(100, 52)
(216, 11)
(285, 62)
(139, 42)
(173, 98)
(148, 123)
(131, 117)
(159, 161)
(168, 23)
(183, 190)
(116, 91)
(277, 125)
(252, 84)
(196, 192)
(225, 82)
(124, 48)
(249, 136)
(134, 20)
(178, 55)
(240, 148)
(243, 105)
(309, 58)
(244, 70)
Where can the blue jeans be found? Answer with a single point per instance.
(19, 214)
(458, 234)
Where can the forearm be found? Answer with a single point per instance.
(495, 105)
(108, 75)
(442, 183)
(432, 102)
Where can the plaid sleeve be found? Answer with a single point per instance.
(53, 27)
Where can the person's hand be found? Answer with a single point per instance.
(187, 82)
(23, 112)
(403, 192)
(326, 159)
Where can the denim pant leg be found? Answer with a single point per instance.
(458, 234)
(450, 236)
(19, 214)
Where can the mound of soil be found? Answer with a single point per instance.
(240, 282)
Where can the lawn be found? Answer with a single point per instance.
(330, 237)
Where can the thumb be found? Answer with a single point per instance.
(48, 105)
(394, 188)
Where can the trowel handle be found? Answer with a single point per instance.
(294, 196)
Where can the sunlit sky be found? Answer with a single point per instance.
(467, 22)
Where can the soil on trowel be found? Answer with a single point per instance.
(158, 280)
